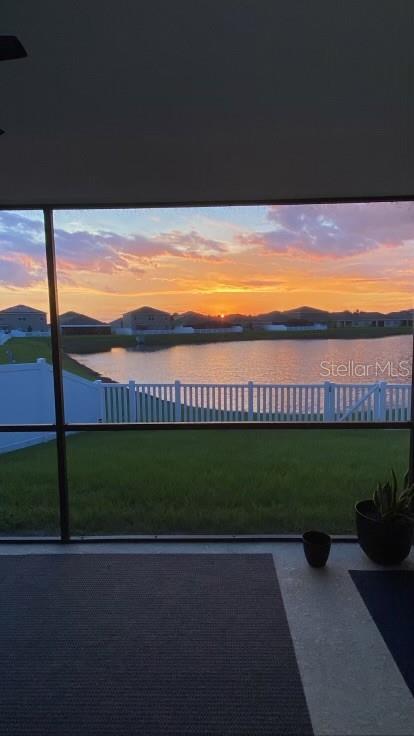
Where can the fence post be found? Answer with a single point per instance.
(250, 401)
(177, 397)
(132, 401)
(381, 405)
(328, 407)
(101, 400)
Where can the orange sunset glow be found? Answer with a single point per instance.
(215, 260)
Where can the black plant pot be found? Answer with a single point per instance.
(384, 542)
(317, 546)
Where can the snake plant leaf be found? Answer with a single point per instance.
(377, 497)
(391, 504)
(388, 497)
(394, 487)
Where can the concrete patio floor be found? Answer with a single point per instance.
(352, 684)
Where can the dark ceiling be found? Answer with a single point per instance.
(216, 100)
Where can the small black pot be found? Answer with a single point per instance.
(385, 542)
(317, 546)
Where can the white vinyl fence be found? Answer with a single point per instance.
(26, 397)
(189, 402)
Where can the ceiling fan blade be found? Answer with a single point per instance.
(11, 48)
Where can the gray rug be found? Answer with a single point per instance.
(126, 644)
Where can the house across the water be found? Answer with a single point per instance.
(404, 318)
(23, 319)
(74, 323)
(143, 318)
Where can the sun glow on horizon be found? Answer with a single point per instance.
(215, 260)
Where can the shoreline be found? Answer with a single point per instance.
(94, 375)
(88, 344)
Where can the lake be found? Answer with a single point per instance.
(263, 361)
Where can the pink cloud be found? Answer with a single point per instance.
(335, 230)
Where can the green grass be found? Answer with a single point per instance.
(29, 349)
(207, 481)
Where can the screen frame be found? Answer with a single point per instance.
(61, 427)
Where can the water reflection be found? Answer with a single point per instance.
(279, 361)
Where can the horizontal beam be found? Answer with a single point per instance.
(38, 539)
(202, 426)
(222, 426)
(27, 427)
(71, 205)
(175, 539)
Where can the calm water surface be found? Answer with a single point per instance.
(263, 361)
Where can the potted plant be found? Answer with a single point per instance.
(385, 524)
(317, 546)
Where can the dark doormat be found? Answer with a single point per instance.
(146, 644)
(389, 597)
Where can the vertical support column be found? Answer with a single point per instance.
(57, 376)
(328, 405)
(45, 397)
(177, 401)
(132, 401)
(411, 457)
(250, 390)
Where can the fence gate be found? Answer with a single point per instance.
(367, 405)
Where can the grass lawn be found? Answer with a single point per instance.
(206, 481)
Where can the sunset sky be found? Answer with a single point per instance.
(214, 260)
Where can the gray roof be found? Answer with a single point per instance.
(402, 314)
(21, 308)
(148, 309)
(77, 320)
